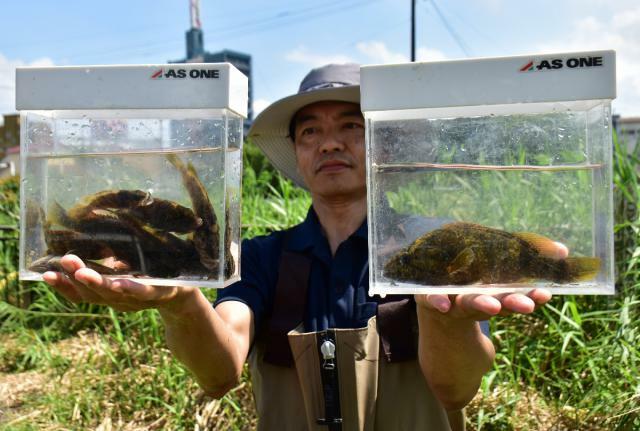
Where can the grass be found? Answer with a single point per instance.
(579, 356)
(572, 365)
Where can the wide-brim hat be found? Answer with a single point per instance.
(270, 129)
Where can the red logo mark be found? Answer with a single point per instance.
(157, 74)
(527, 67)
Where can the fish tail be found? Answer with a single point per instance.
(176, 162)
(582, 268)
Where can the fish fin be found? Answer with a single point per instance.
(58, 215)
(544, 245)
(583, 268)
(462, 262)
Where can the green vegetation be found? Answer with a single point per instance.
(572, 365)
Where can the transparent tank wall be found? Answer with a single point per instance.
(233, 172)
(136, 193)
(473, 203)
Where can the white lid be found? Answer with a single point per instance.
(149, 86)
(489, 81)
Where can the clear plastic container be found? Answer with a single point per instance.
(477, 167)
(140, 182)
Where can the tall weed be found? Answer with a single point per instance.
(572, 365)
(579, 354)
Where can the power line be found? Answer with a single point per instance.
(386, 27)
(470, 25)
(289, 14)
(243, 29)
(461, 43)
(296, 17)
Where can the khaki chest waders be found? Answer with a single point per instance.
(363, 379)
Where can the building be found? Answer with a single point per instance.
(10, 146)
(628, 130)
(10, 131)
(9, 162)
(197, 54)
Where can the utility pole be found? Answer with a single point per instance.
(413, 30)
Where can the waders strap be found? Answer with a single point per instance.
(395, 326)
(288, 307)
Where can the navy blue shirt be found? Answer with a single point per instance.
(337, 293)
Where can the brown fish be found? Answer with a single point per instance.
(160, 213)
(60, 242)
(102, 226)
(36, 225)
(466, 253)
(154, 252)
(95, 221)
(206, 237)
(52, 263)
(165, 215)
(108, 199)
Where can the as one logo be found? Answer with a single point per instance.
(560, 63)
(183, 73)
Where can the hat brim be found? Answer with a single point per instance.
(270, 129)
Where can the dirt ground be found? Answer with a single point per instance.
(14, 390)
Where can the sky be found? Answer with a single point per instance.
(286, 38)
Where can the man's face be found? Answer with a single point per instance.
(329, 145)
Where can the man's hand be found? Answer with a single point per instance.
(483, 307)
(81, 284)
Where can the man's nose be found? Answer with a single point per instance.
(331, 142)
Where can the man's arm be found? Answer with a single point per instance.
(452, 351)
(212, 343)
(453, 355)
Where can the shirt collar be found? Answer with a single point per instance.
(308, 234)
(362, 232)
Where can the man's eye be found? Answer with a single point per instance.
(353, 126)
(308, 131)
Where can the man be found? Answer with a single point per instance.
(323, 354)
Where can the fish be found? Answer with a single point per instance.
(206, 237)
(154, 252)
(60, 242)
(102, 226)
(52, 263)
(108, 199)
(160, 213)
(462, 253)
(36, 225)
(165, 215)
(95, 221)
